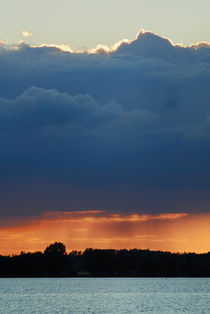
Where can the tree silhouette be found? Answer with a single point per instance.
(55, 249)
(55, 262)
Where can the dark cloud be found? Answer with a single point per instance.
(124, 130)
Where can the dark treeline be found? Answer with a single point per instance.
(55, 262)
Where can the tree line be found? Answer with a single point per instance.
(55, 262)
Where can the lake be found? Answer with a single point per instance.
(105, 295)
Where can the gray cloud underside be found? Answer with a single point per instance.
(125, 131)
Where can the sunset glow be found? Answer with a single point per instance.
(176, 232)
(105, 125)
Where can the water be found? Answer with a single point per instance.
(109, 295)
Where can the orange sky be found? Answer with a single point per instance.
(176, 232)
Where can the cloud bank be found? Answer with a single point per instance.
(125, 129)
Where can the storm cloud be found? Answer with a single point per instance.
(125, 129)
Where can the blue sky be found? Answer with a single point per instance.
(86, 23)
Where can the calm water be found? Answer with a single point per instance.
(110, 295)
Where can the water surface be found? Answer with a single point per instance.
(105, 295)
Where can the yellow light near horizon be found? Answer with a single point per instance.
(176, 232)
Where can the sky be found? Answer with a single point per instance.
(86, 23)
(104, 141)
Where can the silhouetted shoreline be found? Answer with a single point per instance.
(55, 262)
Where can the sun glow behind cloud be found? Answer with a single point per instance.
(62, 47)
(106, 50)
(103, 49)
(99, 229)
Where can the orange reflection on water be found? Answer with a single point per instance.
(177, 232)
